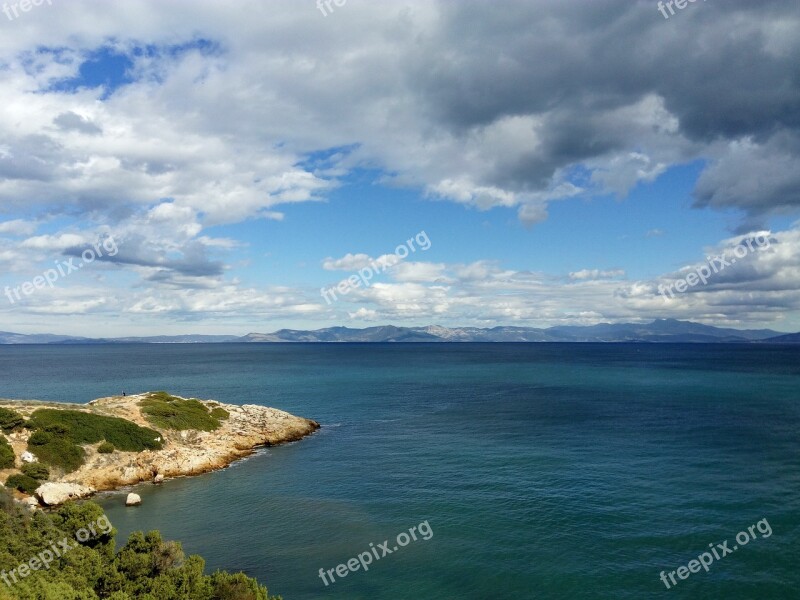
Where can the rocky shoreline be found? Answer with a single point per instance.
(187, 452)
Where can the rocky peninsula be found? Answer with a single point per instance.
(132, 439)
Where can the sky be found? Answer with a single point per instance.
(225, 168)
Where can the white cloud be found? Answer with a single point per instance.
(423, 272)
(18, 227)
(762, 286)
(364, 314)
(223, 132)
(597, 274)
(56, 242)
(349, 262)
(223, 129)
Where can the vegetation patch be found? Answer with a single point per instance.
(220, 413)
(10, 420)
(146, 567)
(23, 483)
(106, 448)
(7, 459)
(169, 412)
(59, 434)
(88, 428)
(56, 450)
(36, 470)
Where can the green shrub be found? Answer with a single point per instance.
(106, 448)
(59, 434)
(147, 567)
(60, 429)
(61, 453)
(7, 459)
(89, 428)
(10, 419)
(8, 508)
(237, 586)
(220, 413)
(40, 438)
(36, 470)
(169, 412)
(23, 483)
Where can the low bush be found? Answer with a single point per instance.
(36, 470)
(106, 448)
(169, 412)
(7, 459)
(147, 567)
(59, 452)
(88, 428)
(40, 438)
(220, 413)
(59, 434)
(10, 420)
(23, 483)
(54, 428)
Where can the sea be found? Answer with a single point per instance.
(475, 471)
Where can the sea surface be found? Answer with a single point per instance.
(542, 470)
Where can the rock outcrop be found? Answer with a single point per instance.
(30, 503)
(55, 493)
(133, 500)
(188, 452)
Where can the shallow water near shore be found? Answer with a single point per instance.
(544, 471)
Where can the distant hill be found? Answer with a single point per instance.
(660, 330)
(387, 333)
(792, 338)
(47, 338)
(44, 338)
(176, 339)
(669, 330)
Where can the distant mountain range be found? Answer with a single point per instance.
(660, 330)
(48, 338)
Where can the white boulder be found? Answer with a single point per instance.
(53, 494)
(27, 457)
(133, 500)
(159, 478)
(30, 503)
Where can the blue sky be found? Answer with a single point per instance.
(564, 165)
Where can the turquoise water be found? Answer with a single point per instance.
(544, 471)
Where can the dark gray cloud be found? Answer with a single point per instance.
(713, 64)
(758, 178)
(134, 250)
(70, 121)
(426, 91)
(480, 103)
(726, 71)
(29, 157)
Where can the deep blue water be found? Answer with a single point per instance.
(544, 470)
